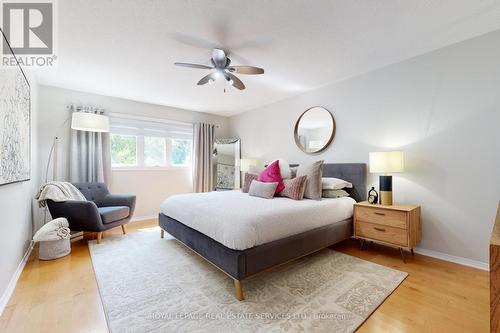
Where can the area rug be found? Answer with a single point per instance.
(149, 284)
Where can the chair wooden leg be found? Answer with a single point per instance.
(124, 230)
(238, 290)
(99, 236)
(162, 234)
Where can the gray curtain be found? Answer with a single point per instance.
(203, 142)
(90, 153)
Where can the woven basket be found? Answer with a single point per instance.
(54, 249)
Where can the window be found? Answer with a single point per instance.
(140, 144)
(154, 151)
(181, 152)
(123, 150)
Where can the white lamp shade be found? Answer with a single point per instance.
(386, 162)
(89, 122)
(246, 164)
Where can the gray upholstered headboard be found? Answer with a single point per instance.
(354, 173)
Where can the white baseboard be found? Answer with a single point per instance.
(4, 300)
(458, 260)
(142, 218)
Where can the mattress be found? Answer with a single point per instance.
(240, 221)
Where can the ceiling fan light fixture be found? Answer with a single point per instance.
(222, 68)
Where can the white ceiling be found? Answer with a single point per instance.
(127, 48)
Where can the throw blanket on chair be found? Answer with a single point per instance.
(58, 192)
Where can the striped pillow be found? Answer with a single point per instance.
(247, 181)
(294, 188)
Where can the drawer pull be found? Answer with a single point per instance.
(379, 229)
(377, 213)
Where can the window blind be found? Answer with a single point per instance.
(150, 127)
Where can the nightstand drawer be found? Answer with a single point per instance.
(382, 233)
(392, 218)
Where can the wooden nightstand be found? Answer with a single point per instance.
(397, 225)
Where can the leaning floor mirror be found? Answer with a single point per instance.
(227, 164)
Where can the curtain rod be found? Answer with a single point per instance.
(152, 119)
(84, 108)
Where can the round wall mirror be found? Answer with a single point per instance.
(314, 130)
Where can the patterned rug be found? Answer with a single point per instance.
(149, 284)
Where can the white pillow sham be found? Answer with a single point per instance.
(330, 183)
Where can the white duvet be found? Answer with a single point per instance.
(240, 221)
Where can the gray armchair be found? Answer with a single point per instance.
(101, 212)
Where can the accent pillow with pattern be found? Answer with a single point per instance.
(247, 181)
(294, 188)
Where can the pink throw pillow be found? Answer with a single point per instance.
(272, 174)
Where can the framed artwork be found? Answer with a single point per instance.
(15, 123)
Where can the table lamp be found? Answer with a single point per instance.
(247, 164)
(386, 162)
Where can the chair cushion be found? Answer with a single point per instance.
(113, 213)
(95, 192)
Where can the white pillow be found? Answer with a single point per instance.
(330, 183)
(286, 173)
(54, 230)
(262, 190)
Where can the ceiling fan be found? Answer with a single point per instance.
(222, 65)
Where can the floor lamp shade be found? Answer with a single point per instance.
(89, 122)
(386, 162)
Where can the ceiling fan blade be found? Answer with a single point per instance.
(206, 78)
(219, 58)
(246, 70)
(236, 82)
(185, 64)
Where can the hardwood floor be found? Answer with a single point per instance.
(437, 296)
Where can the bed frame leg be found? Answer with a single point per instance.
(238, 290)
(162, 234)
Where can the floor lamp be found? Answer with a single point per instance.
(80, 121)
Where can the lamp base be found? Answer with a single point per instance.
(386, 198)
(386, 190)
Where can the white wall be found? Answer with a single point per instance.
(151, 187)
(442, 109)
(18, 210)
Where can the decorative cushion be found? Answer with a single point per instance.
(314, 173)
(113, 213)
(285, 169)
(54, 230)
(330, 183)
(263, 190)
(272, 174)
(294, 188)
(334, 194)
(247, 181)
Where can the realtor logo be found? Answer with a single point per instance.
(28, 27)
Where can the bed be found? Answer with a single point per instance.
(256, 234)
